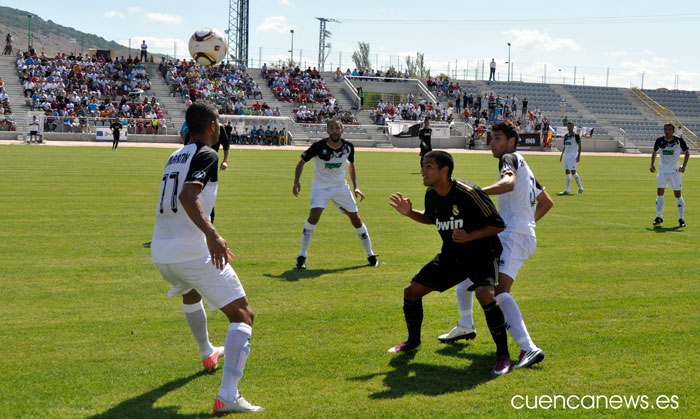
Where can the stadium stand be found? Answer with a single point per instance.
(7, 122)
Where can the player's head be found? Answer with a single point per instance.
(202, 122)
(504, 138)
(669, 129)
(426, 123)
(334, 127)
(570, 126)
(437, 167)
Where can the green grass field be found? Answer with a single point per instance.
(87, 330)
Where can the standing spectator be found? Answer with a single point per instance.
(492, 73)
(425, 136)
(144, 51)
(34, 130)
(8, 45)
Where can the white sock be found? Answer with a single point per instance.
(306, 237)
(237, 349)
(514, 320)
(659, 205)
(578, 181)
(465, 303)
(568, 182)
(196, 318)
(681, 207)
(363, 234)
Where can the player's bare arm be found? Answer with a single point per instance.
(685, 161)
(224, 164)
(405, 207)
(544, 204)
(462, 236)
(652, 169)
(505, 184)
(353, 179)
(562, 154)
(218, 249)
(297, 175)
(578, 156)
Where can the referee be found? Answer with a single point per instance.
(468, 224)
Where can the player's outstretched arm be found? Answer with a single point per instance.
(405, 207)
(218, 249)
(297, 175)
(544, 204)
(505, 184)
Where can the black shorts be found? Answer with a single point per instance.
(443, 273)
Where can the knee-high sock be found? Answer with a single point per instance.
(659, 206)
(413, 311)
(306, 237)
(578, 180)
(237, 348)
(497, 325)
(514, 318)
(196, 318)
(681, 207)
(465, 303)
(363, 234)
(568, 182)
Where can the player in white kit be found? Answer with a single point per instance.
(330, 156)
(571, 154)
(521, 202)
(194, 258)
(669, 148)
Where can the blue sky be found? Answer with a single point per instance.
(630, 38)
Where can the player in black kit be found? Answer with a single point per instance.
(468, 224)
(425, 136)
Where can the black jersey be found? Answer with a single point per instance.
(425, 135)
(465, 207)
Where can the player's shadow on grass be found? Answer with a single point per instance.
(659, 229)
(142, 406)
(293, 275)
(432, 380)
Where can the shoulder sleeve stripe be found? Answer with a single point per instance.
(479, 200)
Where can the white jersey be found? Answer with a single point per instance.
(517, 207)
(329, 163)
(176, 238)
(670, 153)
(571, 144)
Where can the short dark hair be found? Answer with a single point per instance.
(334, 121)
(199, 115)
(442, 159)
(508, 129)
(670, 125)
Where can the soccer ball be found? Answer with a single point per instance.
(207, 46)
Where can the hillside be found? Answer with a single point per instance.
(49, 36)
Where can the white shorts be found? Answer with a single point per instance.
(517, 248)
(340, 195)
(673, 178)
(218, 288)
(569, 163)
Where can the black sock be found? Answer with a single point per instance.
(497, 325)
(413, 311)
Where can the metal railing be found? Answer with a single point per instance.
(666, 114)
(350, 89)
(89, 125)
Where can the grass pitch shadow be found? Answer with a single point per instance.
(293, 275)
(659, 229)
(142, 406)
(432, 380)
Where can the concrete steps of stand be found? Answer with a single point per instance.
(15, 92)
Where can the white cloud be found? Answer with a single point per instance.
(114, 13)
(275, 24)
(163, 18)
(542, 41)
(133, 9)
(286, 3)
(618, 53)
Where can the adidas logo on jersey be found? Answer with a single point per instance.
(449, 225)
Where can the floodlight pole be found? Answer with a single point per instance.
(291, 51)
(508, 61)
